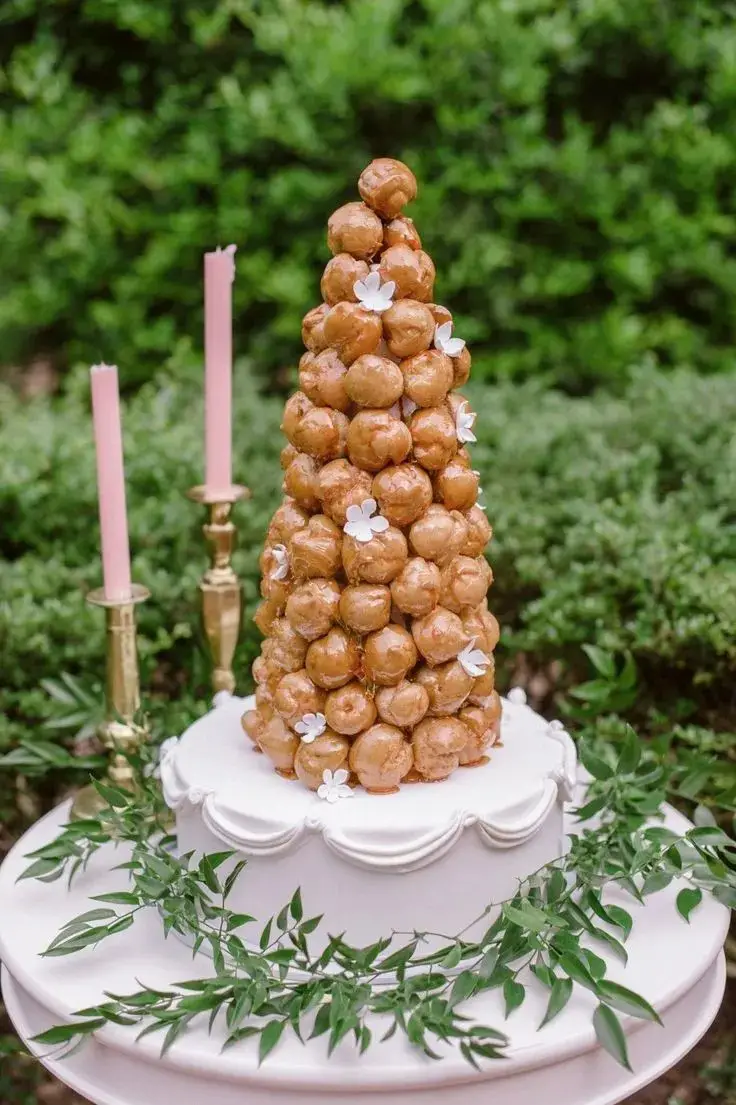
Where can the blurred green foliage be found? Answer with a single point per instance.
(576, 161)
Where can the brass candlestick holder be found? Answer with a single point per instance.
(220, 587)
(120, 733)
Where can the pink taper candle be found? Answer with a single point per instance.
(110, 481)
(219, 273)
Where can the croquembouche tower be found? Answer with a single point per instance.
(377, 663)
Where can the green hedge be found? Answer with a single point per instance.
(577, 166)
(614, 523)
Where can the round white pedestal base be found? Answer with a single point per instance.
(679, 968)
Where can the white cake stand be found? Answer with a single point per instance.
(680, 968)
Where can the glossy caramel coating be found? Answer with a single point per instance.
(448, 686)
(266, 613)
(333, 660)
(301, 481)
(252, 725)
(315, 551)
(456, 486)
(312, 608)
(478, 722)
(387, 185)
(327, 753)
(289, 452)
(276, 591)
(323, 381)
(287, 650)
(287, 520)
(352, 331)
(461, 368)
(350, 709)
(479, 532)
(439, 534)
(439, 635)
(483, 685)
(437, 744)
(341, 485)
(377, 438)
(403, 705)
(416, 589)
(313, 328)
(377, 561)
(388, 655)
(297, 405)
(408, 327)
(403, 493)
(427, 377)
(374, 381)
(381, 757)
(356, 230)
(280, 744)
(483, 627)
(465, 581)
(440, 314)
(434, 437)
(411, 270)
(365, 607)
(340, 275)
(296, 695)
(322, 433)
(401, 232)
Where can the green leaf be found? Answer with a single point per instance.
(265, 936)
(463, 987)
(610, 1035)
(528, 917)
(558, 999)
(621, 918)
(63, 1033)
(593, 763)
(577, 970)
(295, 906)
(487, 965)
(630, 754)
(687, 900)
(610, 941)
(602, 661)
(707, 837)
(626, 1001)
(655, 882)
(513, 995)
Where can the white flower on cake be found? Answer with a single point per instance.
(408, 406)
(311, 726)
(517, 695)
(473, 661)
(464, 420)
(444, 341)
(334, 785)
(281, 558)
(361, 524)
(374, 295)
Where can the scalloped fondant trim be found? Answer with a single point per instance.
(380, 853)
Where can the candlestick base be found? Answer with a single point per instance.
(120, 734)
(220, 587)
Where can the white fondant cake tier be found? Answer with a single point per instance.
(430, 857)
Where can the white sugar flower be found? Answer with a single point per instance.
(334, 786)
(374, 295)
(478, 503)
(473, 661)
(464, 420)
(361, 525)
(444, 341)
(408, 406)
(311, 726)
(281, 557)
(517, 695)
